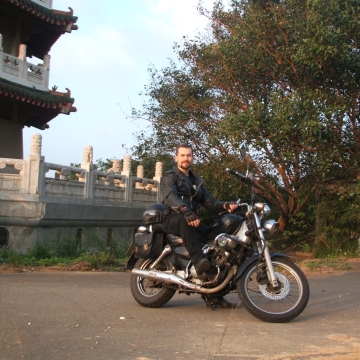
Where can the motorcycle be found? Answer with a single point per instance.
(269, 285)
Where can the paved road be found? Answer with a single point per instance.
(92, 315)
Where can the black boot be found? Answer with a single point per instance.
(202, 268)
(218, 302)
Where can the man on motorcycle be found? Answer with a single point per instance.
(183, 192)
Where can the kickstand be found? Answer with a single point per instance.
(207, 302)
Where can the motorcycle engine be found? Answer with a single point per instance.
(219, 257)
(227, 242)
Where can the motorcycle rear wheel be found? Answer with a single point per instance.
(149, 293)
(276, 305)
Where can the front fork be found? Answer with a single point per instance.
(264, 251)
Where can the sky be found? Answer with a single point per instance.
(105, 65)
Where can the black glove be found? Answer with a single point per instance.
(189, 215)
(228, 203)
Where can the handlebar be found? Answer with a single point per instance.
(245, 179)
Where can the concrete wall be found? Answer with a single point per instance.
(31, 221)
(23, 238)
(34, 207)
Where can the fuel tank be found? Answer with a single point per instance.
(228, 224)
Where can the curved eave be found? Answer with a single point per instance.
(55, 17)
(54, 23)
(45, 105)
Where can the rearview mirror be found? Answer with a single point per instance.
(243, 151)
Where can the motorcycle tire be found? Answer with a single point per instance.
(275, 305)
(149, 293)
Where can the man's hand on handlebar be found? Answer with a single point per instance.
(230, 206)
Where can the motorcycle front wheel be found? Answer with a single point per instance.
(149, 293)
(274, 304)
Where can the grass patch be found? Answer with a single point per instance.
(336, 264)
(69, 251)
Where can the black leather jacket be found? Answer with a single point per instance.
(177, 190)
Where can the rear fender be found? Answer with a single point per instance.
(254, 259)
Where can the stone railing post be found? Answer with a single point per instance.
(126, 165)
(116, 169)
(89, 178)
(22, 52)
(46, 71)
(158, 171)
(158, 176)
(87, 159)
(34, 169)
(23, 63)
(127, 172)
(140, 171)
(139, 174)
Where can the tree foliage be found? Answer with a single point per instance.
(282, 76)
(338, 221)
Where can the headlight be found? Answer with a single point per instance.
(270, 226)
(262, 207)
(227, 242)
(266, 210)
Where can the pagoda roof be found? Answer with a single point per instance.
(45, 105)
(53, 22)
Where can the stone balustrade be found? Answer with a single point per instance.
(82, 184)
(17, 69)
(46, 3)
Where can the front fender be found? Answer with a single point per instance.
(253, 259)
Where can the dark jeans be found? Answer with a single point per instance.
(177, 225)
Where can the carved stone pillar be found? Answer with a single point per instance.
(47, 62)
(34, 169)
(127, 165)
(89, 177)
(87, 160)
(46, 71)
(23, 63)
(87, 155)
(22, 52)
(127, 172)
(157, 177)
(116, 168)
(158, 171)
(139, 174)
(140, 171)
(36, 144)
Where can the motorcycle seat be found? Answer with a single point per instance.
(173, 240)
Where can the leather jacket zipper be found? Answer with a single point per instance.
(191, 197)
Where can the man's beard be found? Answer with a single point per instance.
(185, 166)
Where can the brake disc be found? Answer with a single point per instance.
(276, 293)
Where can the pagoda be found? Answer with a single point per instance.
(29, 28)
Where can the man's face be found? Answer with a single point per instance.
(184, 158)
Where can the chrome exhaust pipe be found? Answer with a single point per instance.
(167, 250)
(176, 279)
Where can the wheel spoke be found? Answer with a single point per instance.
(272, 300)
(148, 287)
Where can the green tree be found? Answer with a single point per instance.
(283, 76)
